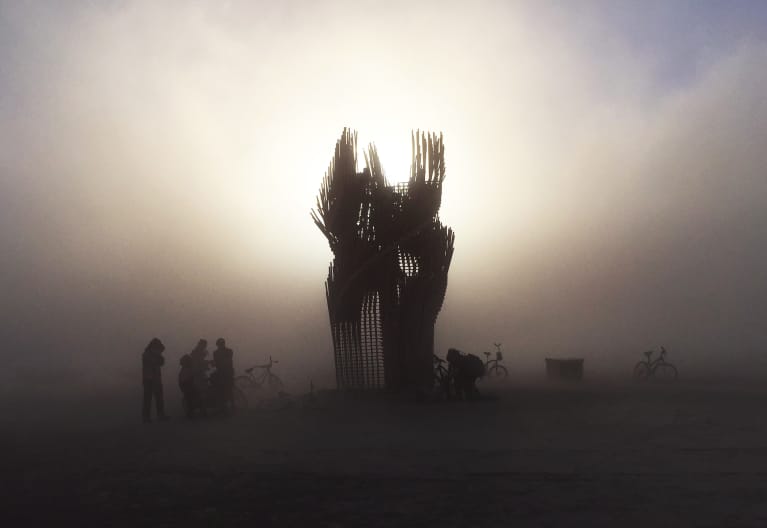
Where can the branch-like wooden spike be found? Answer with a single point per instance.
(412, 155)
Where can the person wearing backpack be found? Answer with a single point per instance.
(463, 370)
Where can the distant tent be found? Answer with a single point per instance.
(387, 281)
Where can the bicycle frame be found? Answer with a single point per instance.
(265, 372)
(496, 361)
(493, 362)
(655, 363)
(649, 367)
(261, 378)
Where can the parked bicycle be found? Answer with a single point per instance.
(659, 368)
(441, 375)
(265, 379)
(493, 367)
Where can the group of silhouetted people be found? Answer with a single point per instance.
(201, 391)
(215, 391)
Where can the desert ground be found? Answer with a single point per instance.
(543, 454)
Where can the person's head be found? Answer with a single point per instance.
(155, 345)
(220, 342)
(202, 344)
(453, 354)
(186, 361)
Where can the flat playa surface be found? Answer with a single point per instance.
(549, 455)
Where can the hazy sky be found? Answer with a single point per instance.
(606, 173)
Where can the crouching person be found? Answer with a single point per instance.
(464, 369)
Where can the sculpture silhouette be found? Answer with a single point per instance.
(387, 281)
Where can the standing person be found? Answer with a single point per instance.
(152, 362)
(223, 360)
(200, 365)
(192, 400)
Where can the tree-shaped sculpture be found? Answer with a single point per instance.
(388, 278)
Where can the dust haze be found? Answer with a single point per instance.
(606, 184)
(158, 164)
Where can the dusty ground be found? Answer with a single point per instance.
(579, 455)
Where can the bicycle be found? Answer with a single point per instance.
(659, 369)
(441, 375)
(493, 367)
(266, 379)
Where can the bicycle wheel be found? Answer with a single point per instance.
(244, 383)
(497, 372)
(665, 372)
(641, 371)
(239, 399)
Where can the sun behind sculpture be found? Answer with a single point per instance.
(388, 278)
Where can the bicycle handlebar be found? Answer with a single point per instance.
(265, 365)
(649, 353)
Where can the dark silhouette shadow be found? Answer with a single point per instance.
(192, 396)
(222, 379)
(152, 361)
(463, 372)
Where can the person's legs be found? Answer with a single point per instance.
(203, 399)
(196, 398)
(462, 387)
(471, 389)
(215, 390)
(147, 403)
(187, 389)
(458, 386)
(159, 401)
(230, 392)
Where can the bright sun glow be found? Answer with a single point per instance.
(395, 158)
(394, 150)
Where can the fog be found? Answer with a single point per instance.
(605, 177)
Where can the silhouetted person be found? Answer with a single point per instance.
(223, 378)
(200, 365)
(152, 362)
(192, 396)
(464, 369)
